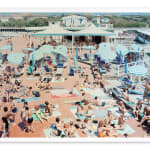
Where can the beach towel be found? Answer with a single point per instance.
(29, 99)
(127, 130)
(100, 114)
(47, 132)
(57, 81)
(95, 92)
(74, 110)
(55, 114)
(35, 78)
(61, 93)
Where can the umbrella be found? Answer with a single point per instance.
(6, 47)
(37, 55)
(135, 48)
(27, 50)
(61, 50)
(90, 47)
(15, 58)
(105, 52)
(46, 49)
(122, 49)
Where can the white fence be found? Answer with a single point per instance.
(121, 67)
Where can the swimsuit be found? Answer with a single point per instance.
(14, 110)
(30, 120)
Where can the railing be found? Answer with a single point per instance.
(121, 67)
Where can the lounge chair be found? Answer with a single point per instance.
(86, 57)
(59, 71)
(5, 57)
(71, 71)
(47, 70)
(60, 65)
(101, 70)
(18, 74)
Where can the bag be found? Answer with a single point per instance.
(101, 134)
(36, 93)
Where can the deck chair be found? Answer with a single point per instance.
(86, 57)
(5, 57)
(101, 70)
(71, 71)
(47, 70)
(60, 65)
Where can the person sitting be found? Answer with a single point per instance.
(71, 130)
(48, 109)
(29, 91)
(102, 130)
(125, 95)
(58, 127)
(109, 118)
(85, 126)
(137, 109)
(147, 91)
(122, 109)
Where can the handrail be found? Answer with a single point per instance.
(121, 67)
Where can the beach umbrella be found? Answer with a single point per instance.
(46, 49)
(122, 49)
(90, 47)
(15, 58)
(6, 47)
(135, 48)
(105, 52)
(27, 50)
(61, 50)
(54, 61)
(37, 55)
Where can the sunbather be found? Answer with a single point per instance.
(122, 109)
(40, 114)
(48, 109)
(138, 108)
(102, 129)
(147, 91)
(126, 96)
(29, 119)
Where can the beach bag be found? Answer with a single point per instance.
(66, 125)
(101, 134)
(36, 93)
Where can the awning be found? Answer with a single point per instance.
(89, 31)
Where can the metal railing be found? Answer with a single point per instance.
(121, 67)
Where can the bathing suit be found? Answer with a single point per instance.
(14, 110)
(6, 124)
(30, 120)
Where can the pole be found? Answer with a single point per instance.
(72, 42)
